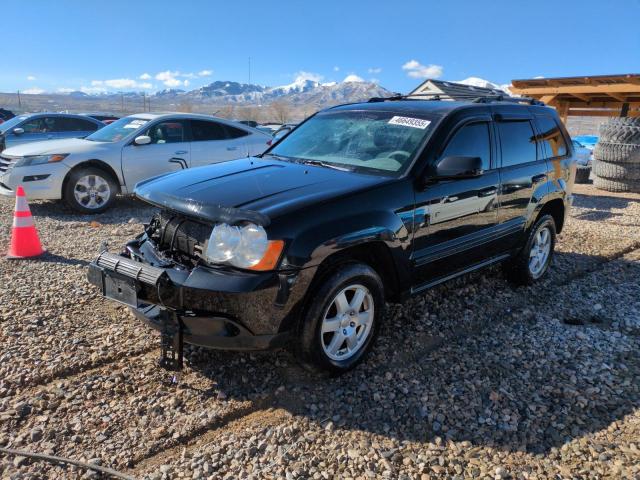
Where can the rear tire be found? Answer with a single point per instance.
(533, 261)
(342, 319)
(582, 174)
(90, 190)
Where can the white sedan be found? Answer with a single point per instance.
(88, 173)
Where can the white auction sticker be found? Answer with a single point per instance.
(135, 123)
(410, 122)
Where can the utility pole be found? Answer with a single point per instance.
(249, 70)
(19, 102)
(144, 101)
(122, 101)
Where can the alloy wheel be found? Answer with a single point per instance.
(92, 191)
(347, 323)
(540, 250)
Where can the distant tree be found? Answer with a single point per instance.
(280, 111)
(227, 111)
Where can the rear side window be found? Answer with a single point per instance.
(471, 141)
(517, 141)
(74, 125)
(203, 131)
(233, 132)
(551, 138)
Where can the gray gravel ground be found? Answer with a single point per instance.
(474, 379)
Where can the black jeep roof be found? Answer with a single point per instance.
(434, 107)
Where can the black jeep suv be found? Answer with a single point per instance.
(360, 204)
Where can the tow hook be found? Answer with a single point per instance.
(171, 342)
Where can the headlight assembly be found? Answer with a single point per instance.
(29, 160)
(245, 246)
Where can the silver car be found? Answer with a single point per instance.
(88, 173)
(35, 127)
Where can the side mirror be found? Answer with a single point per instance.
(18, 131)
(455, 167)
(142, 140)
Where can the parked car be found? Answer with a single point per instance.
(283, 130)
(105, 118)
(5, 115)
(36, 127)
(88, 173)
(587, 141)
(583, 158)
(360, 204)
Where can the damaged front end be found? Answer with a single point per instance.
(163, 276)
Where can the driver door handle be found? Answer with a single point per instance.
(487, 192)
(538, 178)
(181, 152)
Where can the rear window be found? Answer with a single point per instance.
(203, 131)
(550, 138)
(233, 132)
(517, 141)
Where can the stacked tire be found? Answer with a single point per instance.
(616, 157)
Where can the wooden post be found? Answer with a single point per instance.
(563, 111)
(624, 111)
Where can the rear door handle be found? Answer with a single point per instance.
(487, 192)
(181, 152)
(538, 178)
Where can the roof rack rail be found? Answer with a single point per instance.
(474, 98)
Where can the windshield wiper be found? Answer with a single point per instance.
(277, 157)
(320, 163)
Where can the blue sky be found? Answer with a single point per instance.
(114, 45)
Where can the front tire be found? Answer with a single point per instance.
(90, 190)
(533, 261)
(342, 319)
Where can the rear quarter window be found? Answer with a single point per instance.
(550, 138)
(517, 141)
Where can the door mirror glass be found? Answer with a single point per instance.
(142, 140)
(453, 167)
(18, 131)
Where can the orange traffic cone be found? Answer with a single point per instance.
(24, 237)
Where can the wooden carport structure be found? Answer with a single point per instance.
(597, 96)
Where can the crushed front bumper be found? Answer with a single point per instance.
(227, 310)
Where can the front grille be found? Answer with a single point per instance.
(7, 162)
(178, 237)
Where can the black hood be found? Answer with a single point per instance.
(253, 189)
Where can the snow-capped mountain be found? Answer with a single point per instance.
(482, 83)
(301, 91)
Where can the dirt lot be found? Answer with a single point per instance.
(474, 379)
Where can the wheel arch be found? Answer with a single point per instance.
(96, 164)
(554, 207)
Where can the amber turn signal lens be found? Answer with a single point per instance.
(57, 158)
(271, 256)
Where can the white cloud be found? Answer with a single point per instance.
(31, 78)
(353, 78)
(416, 70)
(375, 70)
(205, 73)
(168, 78)
(33, 91)
(145, 76)
(336, 69)
(66, 90)
(121, 84)
(302, 76)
